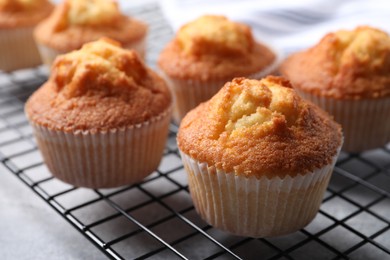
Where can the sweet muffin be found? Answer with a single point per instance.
(101, 119)
(76, 22)
(258, 157)
(17, 21)
(205, 54)
(347, 74)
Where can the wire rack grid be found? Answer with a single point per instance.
(155, 219)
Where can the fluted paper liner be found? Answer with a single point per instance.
(255, 207)
(104, 159)
(18, 49)
(365, 122)
(49, 54)
(188, 93)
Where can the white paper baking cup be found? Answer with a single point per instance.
(18, 49)
(189, 93)
(104, 159)
(255, 207)
(49, 54)
(365, 122)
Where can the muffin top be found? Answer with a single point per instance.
(344, 65)
(100, 87)
(75, 22)
(214, 47)
(23, 13)
(260, 128)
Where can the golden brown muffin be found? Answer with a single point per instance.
(205, 54)
(75, 22)
(17, 20)
(258, 157)
(346, 73)
(102, 112)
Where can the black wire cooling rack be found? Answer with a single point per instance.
(156, 219)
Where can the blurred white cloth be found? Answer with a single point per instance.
(290, 25)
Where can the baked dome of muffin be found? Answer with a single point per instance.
(96, 12)
(99, 87)
(75, 22)
(23, 13)
(260, 128)
(215, 34)
(344, 65)
(214, 47)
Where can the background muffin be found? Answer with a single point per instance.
(205, 54)
(102, 118)
(75, 22)
(258, 157)
(347, 74)
(17, 20)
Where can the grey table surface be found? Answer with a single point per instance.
(29, 229)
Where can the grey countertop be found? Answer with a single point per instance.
(29, 229)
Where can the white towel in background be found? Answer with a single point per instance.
(291, 25)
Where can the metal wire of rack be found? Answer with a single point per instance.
(156, 219)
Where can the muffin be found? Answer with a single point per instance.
(347, 74)
(17, 21)
(205, 54)
(76, 22)
(101, 119)
(258, 157)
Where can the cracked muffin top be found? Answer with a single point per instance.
(100, 87)
(75, 22)
(214, 47)
(260, 128)
(344, 65)
(23, 13)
